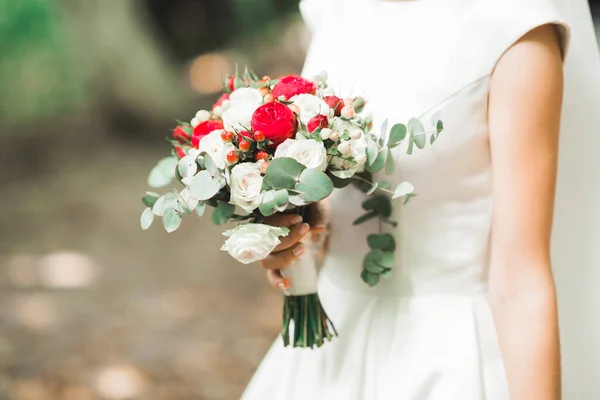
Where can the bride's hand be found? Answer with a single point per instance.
(290, 248)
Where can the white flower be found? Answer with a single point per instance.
(242, 104)
(249, 243)
(203, 115)
(321, 77)
(310, 106)
(310, 153)
(216, 148)
(246, 183)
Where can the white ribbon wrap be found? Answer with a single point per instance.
(302, 274)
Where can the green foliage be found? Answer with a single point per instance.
(147, 218)
(222, 213)
(204, 186)
(163, 173)
(273, 201)
(283, 173)
(171, 220)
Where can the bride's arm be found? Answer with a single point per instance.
(524, 115)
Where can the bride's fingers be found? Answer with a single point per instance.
(316, 219)
(282, 259)
(283, 220)
(297, 232)
(276, 280)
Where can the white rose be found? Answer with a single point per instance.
(216, 148)
(310, 153)
(249, 243)
(242, 104)
(310, 106)
(246, 183)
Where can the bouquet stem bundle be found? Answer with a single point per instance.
(311, 326)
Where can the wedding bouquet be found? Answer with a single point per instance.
(278, 145)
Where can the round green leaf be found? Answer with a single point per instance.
(149, 200)
(370, 278)
(200, 208)
(273, 201)
(171, 220)
(416, 132)
(372, 150)
(379, 204)
(209, 164)
(314, 185)
(163, 173)
(222, 213)
(397, 134)
(403, 189)
(378, 164)
(385, 242)
(390, 163)
(147, 218)
(284, 173)
(385, 258)
(204, 186)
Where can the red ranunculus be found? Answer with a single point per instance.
(276, 121)
(291, 85)
(203, 129)
(224, 97)
(335, 103)
(316, 122)
(181, 135)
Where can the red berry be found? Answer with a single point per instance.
(259, 136)
(244, 145)
(232, 157)
(261, 155)
(227, 136)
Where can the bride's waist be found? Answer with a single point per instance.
(344, 271)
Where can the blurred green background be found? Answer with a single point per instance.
(92, 307)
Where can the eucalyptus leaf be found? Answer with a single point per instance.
(378, 164)
(147, 218)
(380, 205)
(163, 173)
(390, 163)
(397, 134)
(387, 273)
(209, 164)
(384, 127)
(416, 132)
(314, 185)
(435, 117)
(385, 259)
(222, 213)
(364, 218)
(273, 201)
(204, 186)
(297, 201)
(200, 208)
(149, 200)
(372, 151)
(187, 166)
(284, 173)
(373, 188)
(383, 241)
(370, 278)
(165, 202)
(372, 267)
(171, 220)
(403, 189)
(384, 184)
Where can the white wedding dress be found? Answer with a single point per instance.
(426, 333)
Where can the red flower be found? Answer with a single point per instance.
(180, 152)
(231, 83)
(224, 97)
(203, 129)
(276, 121)
(316, 122)
(181, 135)
(291, 85)
(335, 103)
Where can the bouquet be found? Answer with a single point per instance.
(278, 145)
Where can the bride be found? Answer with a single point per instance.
(471, 310)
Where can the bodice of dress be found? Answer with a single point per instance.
(420, 58)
